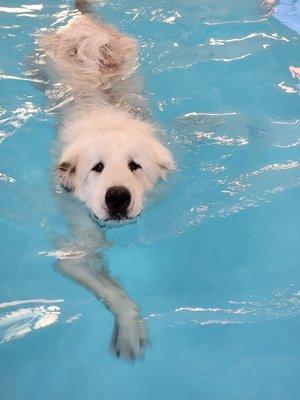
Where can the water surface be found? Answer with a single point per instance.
(214, 260)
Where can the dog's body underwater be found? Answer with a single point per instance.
(110, 156)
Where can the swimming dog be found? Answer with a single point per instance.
(110, 156)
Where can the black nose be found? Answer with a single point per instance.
(117, 200)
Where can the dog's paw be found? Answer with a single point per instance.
(129, 338)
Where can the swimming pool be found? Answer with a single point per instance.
(214, 260)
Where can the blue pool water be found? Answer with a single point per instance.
(214, 261)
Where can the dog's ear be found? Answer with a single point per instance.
(67, 172)
(164, 158)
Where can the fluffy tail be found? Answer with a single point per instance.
(89, 53)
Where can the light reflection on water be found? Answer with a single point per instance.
(18, 322)
(283, 304)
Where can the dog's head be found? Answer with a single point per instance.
(112, 169)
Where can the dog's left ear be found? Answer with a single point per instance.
(164, 159)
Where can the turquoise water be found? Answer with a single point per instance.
(213, 262)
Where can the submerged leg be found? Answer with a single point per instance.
(81, 261)
(130, 332)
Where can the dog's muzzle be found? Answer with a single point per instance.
(117, 200)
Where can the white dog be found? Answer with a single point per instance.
(110, 157)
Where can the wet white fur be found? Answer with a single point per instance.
(95, 60)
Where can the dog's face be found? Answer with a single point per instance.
(112, 171)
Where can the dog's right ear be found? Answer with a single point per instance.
(66, 173)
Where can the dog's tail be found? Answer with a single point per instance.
(89, 53)
(84, 6)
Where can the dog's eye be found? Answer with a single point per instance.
(133, 166)
(98, 167)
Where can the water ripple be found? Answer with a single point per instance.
(245, 191)
(286, 89)
(287, 146)
(18, 323)
(222, 42)
(235, 48)
(19, 78)
(28, 8)
(232, 59)
(245, 21)
(17, 118)
(283, 304)
(6, 178)
(223, 140)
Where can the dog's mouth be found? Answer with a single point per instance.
(117, 221)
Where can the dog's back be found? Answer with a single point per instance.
(88, 53)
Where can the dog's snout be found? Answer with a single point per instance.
(117, 200)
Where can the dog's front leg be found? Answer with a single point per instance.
(81, 261)
(130, 331)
